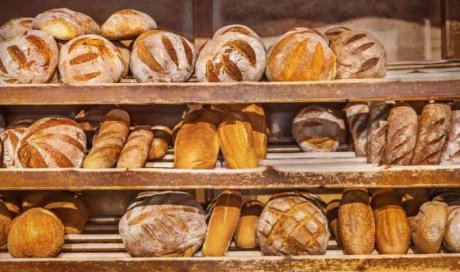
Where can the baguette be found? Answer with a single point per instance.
(160, 143)
(451, 153)
(377, 129)
(245, 234)
(136, 149)
(357, 117)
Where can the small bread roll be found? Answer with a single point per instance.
(5, 221)
(136, 149)
(16, 27)
(65, 24)
(161, 139)
(127, 23)
(222, 224)
(246, 231)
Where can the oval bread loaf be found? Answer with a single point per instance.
(161, 138)
(136, 150)
(127, 23)
(16, 27)
(451, 153)
(246, 231)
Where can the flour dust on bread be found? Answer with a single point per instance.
(126, 24)
(451, 152)
(14, 28)
(377, 129)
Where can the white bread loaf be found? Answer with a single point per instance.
(136, 149)
(451, 153)
(376, 130)
(127, 23)
(16, 27)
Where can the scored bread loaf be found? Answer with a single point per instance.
(110, 140)
(301, 54)
(31, 58)
(127, 23)
(161, 139)
(334, 32)
(65, 24)
(225, 213)
(90, 59)
(10, 139)
(51, 142)
(432, 134)
(16, 27)
(377, 129)
(136, 149)
(317, 128)
(332, 212)
(163, 224)
(357, 117)
(246, 231)
(71, 210)
(401, 136)
(235, 53)
(451, 153)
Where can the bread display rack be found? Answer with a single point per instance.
(433, 75)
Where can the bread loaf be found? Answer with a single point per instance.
(163, 224)
(356, 226)
(65, 24)
(225, 213)
(197, 145)
(452, 235)
(36, 199)
(451, 153)
(246, 231)
(127, 23)
(293, 224)
(334, 32)
(108, 144)
(412, 199)
(301, 54)
(401, 136)
(125, 55)
(10, 139)
(392, 231)
(31, 58)
(16, 27)
(90, 59)
(162, 138)
(235, 53)
(357, 117)
(37, 233)
(256, 116)
(51, 142)
(5, 221)
(316, 128)
(71, 210)
(332, 211)
(89, 120)
(136, 149)
(160, 56)
(359, 55)
(377, 129)
(428, 227)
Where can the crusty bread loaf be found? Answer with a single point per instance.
(51, 142)
(357, 117)
(334, 32)
(10, 139)
(235, 53)
(161, 139)
(293, 224)
(197, 145)
(160, 56)
(71, 210)
(225, 213)
(432, 134)
(256, 116)
(89, 119)
(317, 128)
(16, 27)
(127, 23)
(301, 54)
(401, 136)
(90, 59)
(136, 149)
(31, 58)
(246, 231)
(377, 129)
(125, 54)
(5, 221)
(65, 24)
(332, 212)
(163, 224)
(108, 144)
(356, 226)
(452, 235)
(451, 153)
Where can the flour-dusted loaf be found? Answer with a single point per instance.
(377, 129)
(357, 117)
(90, 59)
(334, 32)
(51, 142)
(452, 235)
(110, 140)
(401, 136)
(163, 224)
(31, 58)
(432, 134)
(246, 231)
(125, 54)
(235, 53)
(10, 140)
(451, 153)
(136, 149)
(126, 24)
(301, 54)
(65, 24)
(161, 138)
(317, 128)
(293, 224)
(359, 55)
(16, 27)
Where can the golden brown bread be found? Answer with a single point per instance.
(246, 231)
(70, 209)
(136, 150)
(36, 199)
(127, 23)
(332, 211)
(16, 27)
(161, 139)
(6, 217)
(11, 204)
(225, 213)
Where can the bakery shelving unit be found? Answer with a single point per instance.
(100, 248)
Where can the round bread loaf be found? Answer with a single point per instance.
(127, 23)
(317, 129)
(235, 53)
(300, 54)
(5, 221)
(246, 231)
(16, 27)
(31, 58)
(71, 209)
(332, 33)
(359, 55)
(160, 56)
(37, 233)
(163, 224)
(293, 224)
(51, 142)
(65, 24)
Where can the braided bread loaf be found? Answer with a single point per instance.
(28, 59)
(90, 59)
(127, 23)
(235, 53)
(15, 28)
(162, 56)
